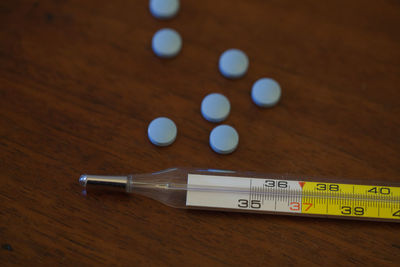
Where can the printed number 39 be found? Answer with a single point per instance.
(347, 210)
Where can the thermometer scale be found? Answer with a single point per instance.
(252, 192)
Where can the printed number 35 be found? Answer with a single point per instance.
(244, 203)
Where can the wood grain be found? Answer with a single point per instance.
(79, 85)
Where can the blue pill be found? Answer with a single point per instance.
(162, 131)
(166, 43)
(215, 107)
(224, 139)
(233, 63)
(164, 9)
(266, 92)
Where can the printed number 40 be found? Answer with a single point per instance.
(382, 190)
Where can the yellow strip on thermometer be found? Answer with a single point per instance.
(288, 196)
(351, 200)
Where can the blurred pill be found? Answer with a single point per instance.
(224, 139)
(266, 92)
(233, 63)
(162, 131)
(215, 107)
(166, 43)
(164, 9)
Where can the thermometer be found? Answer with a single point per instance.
(260, 193)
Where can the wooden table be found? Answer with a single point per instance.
(79, 85)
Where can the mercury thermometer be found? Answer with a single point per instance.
(252, 192)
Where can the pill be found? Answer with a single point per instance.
(266, 92)
(166, 43)
(215, 107)
(164, 9)
(162, 131)
(233, 63)
(224, 139)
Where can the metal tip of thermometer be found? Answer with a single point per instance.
(83, 180)
(104, 182)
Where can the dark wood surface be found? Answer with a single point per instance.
(79, 85)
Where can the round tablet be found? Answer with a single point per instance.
(233, 63)
(224, 139)
(266, 92)
(215, 107)
(162, 131)
(164, 9)
(166, 43)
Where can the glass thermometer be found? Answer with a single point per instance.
(252, 192)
